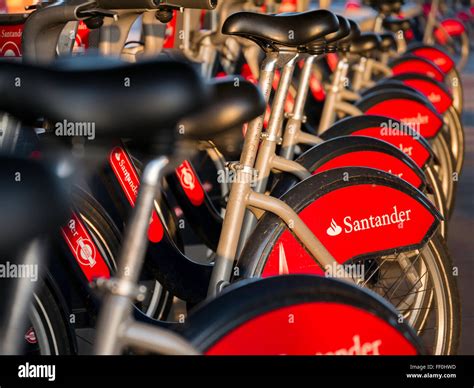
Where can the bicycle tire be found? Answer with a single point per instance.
(292, 311)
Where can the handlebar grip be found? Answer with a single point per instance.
(13, 18)
(42, 30)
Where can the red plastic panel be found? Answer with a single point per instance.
(84, 249)
(354, 221)
(418, 66)
(128, 180)
(407, 143)
(419, 117)
(374, 159)
(322, 328)
(10, 40)
(190, 183)
(438, 57)
(437, 96)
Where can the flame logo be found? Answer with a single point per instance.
(334, 229)
(282, 263)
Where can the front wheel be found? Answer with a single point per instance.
(299, 315)
(418, 282)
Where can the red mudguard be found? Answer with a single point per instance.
(362, 334)
(450, 27)
(405, 107)
(435, 55)
(84, 249)
(416, 64)
(387, 129)
(434, 91)
(359, 217)
(127, 177)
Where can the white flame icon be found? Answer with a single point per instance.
(282, 263)
(334, 229)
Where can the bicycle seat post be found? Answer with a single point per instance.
(244, 173)
(282, 38)
(297, 117)
(271, 137)
(332, 95)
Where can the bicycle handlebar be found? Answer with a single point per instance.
(42, 30)
(153, 4)
(13, 18)
(197, 4)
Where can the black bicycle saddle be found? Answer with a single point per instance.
(288, 30)
(344, 44)
(141, 100)
(395, 24)
(387, 41)
(365, 43)
(343, 31)
(233, 102)
(386, 7)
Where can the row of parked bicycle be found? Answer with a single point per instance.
(325, 219)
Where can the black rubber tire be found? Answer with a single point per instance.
(53, 321)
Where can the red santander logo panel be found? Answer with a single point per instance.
(438, 97)
(128, 180)
(302, 329)
(420, 118)
(418, 66)
(10, 40)
(405, 142)
(439, 58)
(384, 219)
(379, 160)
